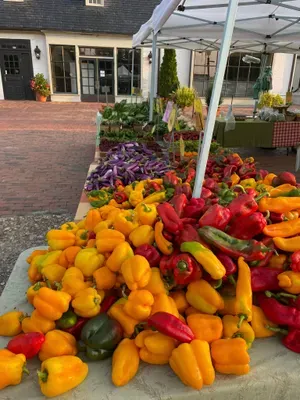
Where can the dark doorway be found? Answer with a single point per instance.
(97, 74)
(16, 69)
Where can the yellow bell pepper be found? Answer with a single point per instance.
(107, 224)
(73, 282)
(180, 300)
(139, 304)
(162, 243)
(192, 364)
(88, 261)
(51, 304)
(135, 197)
(248, 183)
(126, 222)
(105, 278)
(230, 356)
(206, 258)
(156, 284)
(269, 178)
(136, 272)
(229, 305)
(234, 179)
(34, 254)
(108, 239)
(111, 216)
(205, 327)
(58, 375)
(120, 253)
(231, 330)
(289, 281)
(156, 197)
(202, 296)
(37, 323)
(289, 244)
(164, 303)
(105, 210)
(283, 229)
(143, 234)
(12, 367)
(58, 343)
(52, 257)
(32, 291)
(81, 224)
(146, 213)
(259, 322)
(278, 261)
(86, 303)
(155, 348)
(34, 275)
(81, 237)
(70, 227)
(67, 257)
(10, 323)
(53, 273)
(93, 217)
(243, 305)
(117, 312)
(125, 362)
(191, 310)
(60, 240)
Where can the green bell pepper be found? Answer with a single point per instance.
(101, 336)
(68, 319)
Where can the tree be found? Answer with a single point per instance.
(168, 79)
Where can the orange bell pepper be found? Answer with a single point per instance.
(136, 272)
(37, 323)
(67, 257)
(93, 217)
(105, 278)
(10, 323)
(60, 240)
(58, 343)
(51, 304)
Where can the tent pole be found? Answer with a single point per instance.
(153, 73)
(219, 77)
(132, 74)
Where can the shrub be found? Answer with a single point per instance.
(184, 97)
(168, 79)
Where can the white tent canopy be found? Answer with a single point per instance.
(261, 25)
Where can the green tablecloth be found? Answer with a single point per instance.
(249, 133)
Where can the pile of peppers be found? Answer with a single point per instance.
(158, 276)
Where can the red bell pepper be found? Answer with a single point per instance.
(184, 268)
(169, 218)
(262, 173)
(188, 234)
(190, 175)
(206, 193)
(107, 303)
(166, 263)
(154, 187)
(189, 221)
(185, 188)
(167, 235)
(251, 192)
(91, 235)
(243, 205)
(291, 339)
(268, 242)
(194, 208)
(150, 253)
(230, 267)
(179, 202)
(263, 279)
(234, 159)
(77, 328)
(28, 344)
(278, 313)
(170, 180)
(216, 216)
(171, 326)
(246, 227)
(295, 261)
(211, 184)
(120, 197)
(227, 172)
(276, 218)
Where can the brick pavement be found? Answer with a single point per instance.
(46, 149)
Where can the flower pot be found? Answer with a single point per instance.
(40, 97)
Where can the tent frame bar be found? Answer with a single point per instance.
(153, 72)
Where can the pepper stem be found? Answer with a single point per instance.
(243, 317)
(268, 215)
(231, 280)
(182, 266)
(217, 284)
(25, 369)
(291, 296)
(264, 194)
(124, 287)
(239, 187)
(43, 375)
(277, 330)
(146, 208)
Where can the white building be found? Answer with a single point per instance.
(82, 46)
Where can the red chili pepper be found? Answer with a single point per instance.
(243, 205)
(230, 267)
(278, 313)
(263, 279)
(169, 218)
(295, 261)
(77, 328)
(216, 216)
(246, 227)
(190, 175)
(171, 326)
(107, 303)
(184, 267)
(276, 218)
(268, 242)
(120, 197)
(194, 208)
(185, 188)
(229, 170)
(179, 202)
(150, 253)
(28, 344)
(118, 183)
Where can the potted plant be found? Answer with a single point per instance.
(41, 87)
(208, 95)
(184, 97)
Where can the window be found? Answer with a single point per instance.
(63, 67)
(96, 51)
(99, 3)
(15, 0)
(11, 64)
(124, 70)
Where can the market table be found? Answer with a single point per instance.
(274, 371)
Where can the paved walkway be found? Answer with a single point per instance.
(46, 149)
